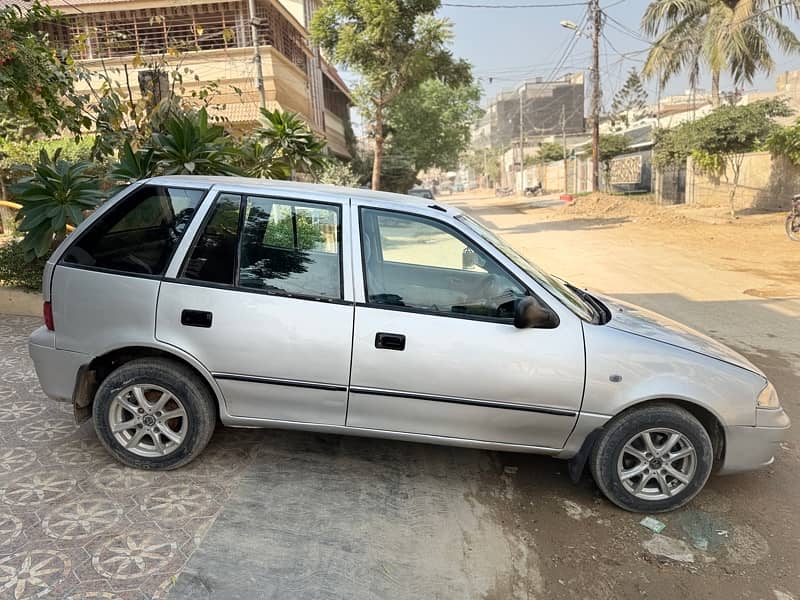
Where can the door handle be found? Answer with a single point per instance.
(196, 318)
(390, 341)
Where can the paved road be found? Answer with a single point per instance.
(289, 515)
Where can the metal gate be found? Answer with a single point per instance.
(673, 185)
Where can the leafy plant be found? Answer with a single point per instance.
(288, 143)
(16, 270)
(785, 141)
(548, 152)
(336, 172)
(54, 196)
(190, 146)
(257, 160)
(134, 165)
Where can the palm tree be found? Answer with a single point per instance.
(730, 36)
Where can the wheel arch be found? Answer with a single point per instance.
(707, 417)
(92, 374)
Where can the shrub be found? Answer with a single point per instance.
(16, 271)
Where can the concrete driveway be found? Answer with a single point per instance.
(270, 514)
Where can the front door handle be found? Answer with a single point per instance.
(390, 341)
(196, 318)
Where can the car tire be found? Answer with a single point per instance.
(651, 477)
(154, 414)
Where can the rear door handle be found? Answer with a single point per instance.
(390, 341)
(196, 318)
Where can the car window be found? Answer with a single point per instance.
(291, 248)
(140, 233)
(213, 257)
(416, 262)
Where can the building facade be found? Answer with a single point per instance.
(211, 42)
(547, 108)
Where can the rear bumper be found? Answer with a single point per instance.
(748, 448)
(56, 369)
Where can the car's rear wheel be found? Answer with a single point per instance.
(652, 459)
(154, 414)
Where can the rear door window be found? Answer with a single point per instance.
(292, 248)
(140, 233)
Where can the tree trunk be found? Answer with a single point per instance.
(715, 89)
(732, 197)
(378, 156)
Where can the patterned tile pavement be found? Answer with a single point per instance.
(76, 524)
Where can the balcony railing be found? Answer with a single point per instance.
(177, 29)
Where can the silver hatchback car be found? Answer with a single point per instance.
(187, 300)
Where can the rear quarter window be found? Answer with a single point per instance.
(139, 234)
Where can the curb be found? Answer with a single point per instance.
(16, 301)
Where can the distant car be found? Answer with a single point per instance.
(422, 193)
(459, 187)
(187, 300)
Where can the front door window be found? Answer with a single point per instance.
(418, 263)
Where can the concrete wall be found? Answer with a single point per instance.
(764, 184)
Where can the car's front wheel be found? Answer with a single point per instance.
(652, 459)
(154, 414)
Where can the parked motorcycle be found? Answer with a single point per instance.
(793, 220)
(534, 190)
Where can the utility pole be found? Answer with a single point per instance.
(522, 90)
(564, 143)
(597, 19)
(254, 23)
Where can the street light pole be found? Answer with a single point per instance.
(597, 18)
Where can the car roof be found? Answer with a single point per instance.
(294, 187)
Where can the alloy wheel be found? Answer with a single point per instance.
(148, 420)
(657, 463)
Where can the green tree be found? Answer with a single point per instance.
(36, 83)
(630, 102)
(431, 124)
(336, 172)
(548, 152)
(718, 142)
(394, 45)
(725, 36)
(785, 141)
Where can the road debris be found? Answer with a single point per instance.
(652, 524)
(576, 511)
(662, 545)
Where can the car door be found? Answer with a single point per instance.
(260, 301)
(435, 349)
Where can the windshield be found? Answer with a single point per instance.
(570, 296)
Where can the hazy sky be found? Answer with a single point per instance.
(509, 45)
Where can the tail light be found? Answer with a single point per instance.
(47, 312)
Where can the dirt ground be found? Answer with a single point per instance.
(734, 279)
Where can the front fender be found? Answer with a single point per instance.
(624, 369)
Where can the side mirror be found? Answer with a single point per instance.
(529, 312)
